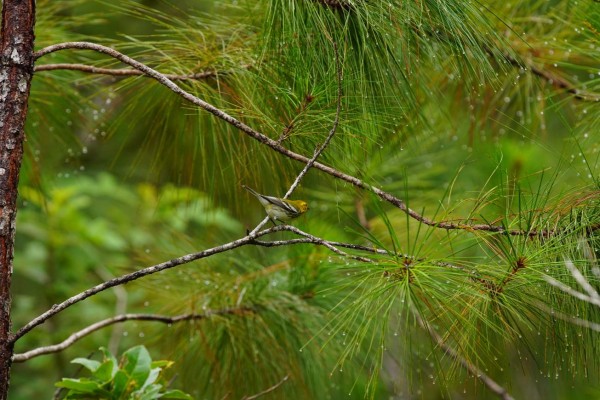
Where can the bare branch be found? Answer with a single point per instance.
(246, 240)
(325, 243)
(266, 391)
(395, 201)
(485, 379)
(358, 247)
(307, 239)
(21, 357)
(123, 72)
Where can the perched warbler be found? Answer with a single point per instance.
(280, 209)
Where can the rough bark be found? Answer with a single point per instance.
(16, 69)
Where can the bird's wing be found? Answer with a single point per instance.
(280, 203)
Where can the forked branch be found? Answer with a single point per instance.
(249, 239)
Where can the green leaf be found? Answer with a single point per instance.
(92, 365)
(106, 371)
(150, 392)
(137, 364)
(82, 385)
(120, 384)
(152, 377)
(110, 359)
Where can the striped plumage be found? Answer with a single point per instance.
(280, 209)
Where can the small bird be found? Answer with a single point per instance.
(280, 209)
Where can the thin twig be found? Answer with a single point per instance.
(320, 149)
(21, 357)
(395, 201)
(325, 243)
(554, 79)
(266, 391)
(358, 247)
(291, 124)
(336, 122)
(129, 72)
(485, 379)
(246, 240)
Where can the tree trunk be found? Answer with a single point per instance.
(16, 69)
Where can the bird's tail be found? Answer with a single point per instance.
(252, 191)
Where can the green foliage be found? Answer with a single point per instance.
(136, 376)
(78, 231)
(470, 112)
